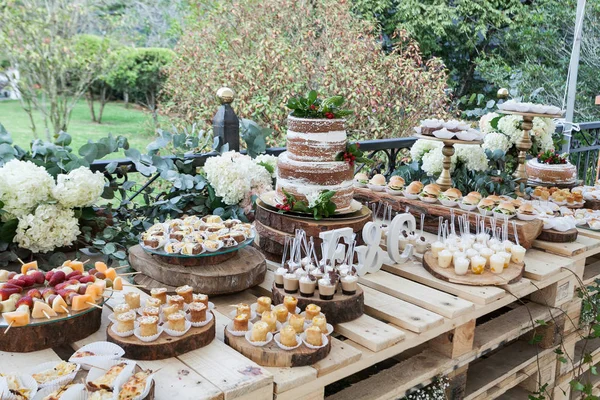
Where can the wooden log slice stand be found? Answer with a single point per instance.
(246, 268)
(270, 355)
(528, 230)
(165, 346)
(25, 339)
(554, 236)
(592, 204)
(512, 274)
(272, 228)
(342, 308)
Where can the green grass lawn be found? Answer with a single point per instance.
(130, 122)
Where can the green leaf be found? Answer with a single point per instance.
(89, 151)
(63, 139)
(112, 167)
(312, 97)
(5, 137)
(8, 230)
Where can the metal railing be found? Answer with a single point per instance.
(584, 151)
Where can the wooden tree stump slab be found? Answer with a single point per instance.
(512, 274)
(197, 261)
(247, 268)
(273, 227)
(528, 230)
(554, 236)
(270, 355)
(29, 338)
(165, 346)
(342, 308)
(592, 204)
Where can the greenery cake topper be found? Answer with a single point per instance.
(312, 106)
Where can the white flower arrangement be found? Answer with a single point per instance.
(509, 127)
(237, 178)
(23, 185)
(79, 188)
(267, 159)
(49, 227)
(430, 154)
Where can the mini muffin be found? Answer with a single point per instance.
(197, 312)
(240, 322)
(125, 321)
(200, 298)
(314, 336)
(243, 308)
(291, 303)
(133, 299)
(287, 336)
(297, 322)
(259, 332)
(271, 320)
(263, 304)
(321, 323)
(281, 312)
(312, 310)
(187, 292)
(148, 325)
(160, 294)
(176, 300)
(176, 321)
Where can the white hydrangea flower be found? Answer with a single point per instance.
(509, 125)
(496, 141)
(473, 157)
(23, 185)
(51, 226)
(421, 147)
(484, 123)
(269, 160)
(79, 188)
(234, 176)
(433, 162)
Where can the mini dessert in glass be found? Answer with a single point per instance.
(148, 325)
(496, 264)
(470, 253)
(308, 285)
(436, 247)
(126, 322)
(279, 273)
(313, 336)
(486, 253)
(518, 254)
(478, 265)
(506, 256)
(133, 300)
(287, 336)
(197, 312)
(200, 298)
(176, 321)
(291, 282)
(281, 312)
(349, 284)
(320, 322)
(290, 302)
(444, 258)
(240, 322)
(263, 304)
(259, 332)
(160, 294)
(176, 300)
(461, 266)
(318, 273)
(270, 319)
(187, 292)
(421, 244)
(297, 322)
(326, 288)
(311, 311)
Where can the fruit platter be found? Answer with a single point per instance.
(66, 301)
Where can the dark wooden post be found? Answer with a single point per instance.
(226, 125)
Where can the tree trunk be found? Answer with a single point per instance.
(90, 100)
(126, 99)
(104, 97)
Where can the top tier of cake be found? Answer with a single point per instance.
(317, 140)
(551, 173)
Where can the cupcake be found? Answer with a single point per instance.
(290, 302)
(259, 332)
(297, 322)
(125, 321)
(240, 322)
(263, 304)
(176, 300)
(176, 321)
(133, 300)
(311, 311)
(314, 336)
(160, 294)
(148, 325)
(197, 312)
(187, 292)
(287, 337)
(281, 312)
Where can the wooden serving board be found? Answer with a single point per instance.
(25, 339)
(270, 355)
(165, 346)
(512, 274)
(342, 308)
(245, 269)
(592, 204)
(554, 236)
(528, 231)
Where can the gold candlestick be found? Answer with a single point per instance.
(523, 145)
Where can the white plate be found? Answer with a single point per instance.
(467, 207)
(50, 365)
(525, 217)
(102, 351)
(248, 335)
(238, 333)
(410, 196)
(376, 188)
(394, 192)
(287, 348)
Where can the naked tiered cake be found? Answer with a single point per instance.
(308, 166)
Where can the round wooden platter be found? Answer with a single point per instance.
(270, 355)
(342, 308)
(448, 141)
(55, 333)
(554, 236)
(592, 204)
(165, 346)
(247, 268)
(512, 274)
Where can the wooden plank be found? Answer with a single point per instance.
(475, 294)
(24, 362)
(589, 233)
(580, 246)
(370, 332)
(591, 272)
(399, 312)
(289, 378)
(228, 370)
(341, 355)
(457, 342)
(539, 266)
(439, 302)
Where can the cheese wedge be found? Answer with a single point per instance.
(81, 302)
(118, 283)
(28, 267)
(39, 307)
(76, 266)
(94, 291)
(57, 305)
(100, 266)
(17, 318)
(111, 274)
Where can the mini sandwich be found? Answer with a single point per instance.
(361, 178)
(517, 202)
(470, 200)
(452, 194)
(430, 191)
(476, 194)
(505, 208)
(414, 187)
(378, 180)
(495, 199)
(486, 204)
(396, 183)
(527, 209)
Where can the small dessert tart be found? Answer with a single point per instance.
(187, 292)
(133, 300)
(160, 294)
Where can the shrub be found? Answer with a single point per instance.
(292, 46)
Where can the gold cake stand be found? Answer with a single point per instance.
(524, 143)
(445, 180)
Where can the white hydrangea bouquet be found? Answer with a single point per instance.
(503, 131)
(429, 154)
(39, 212)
